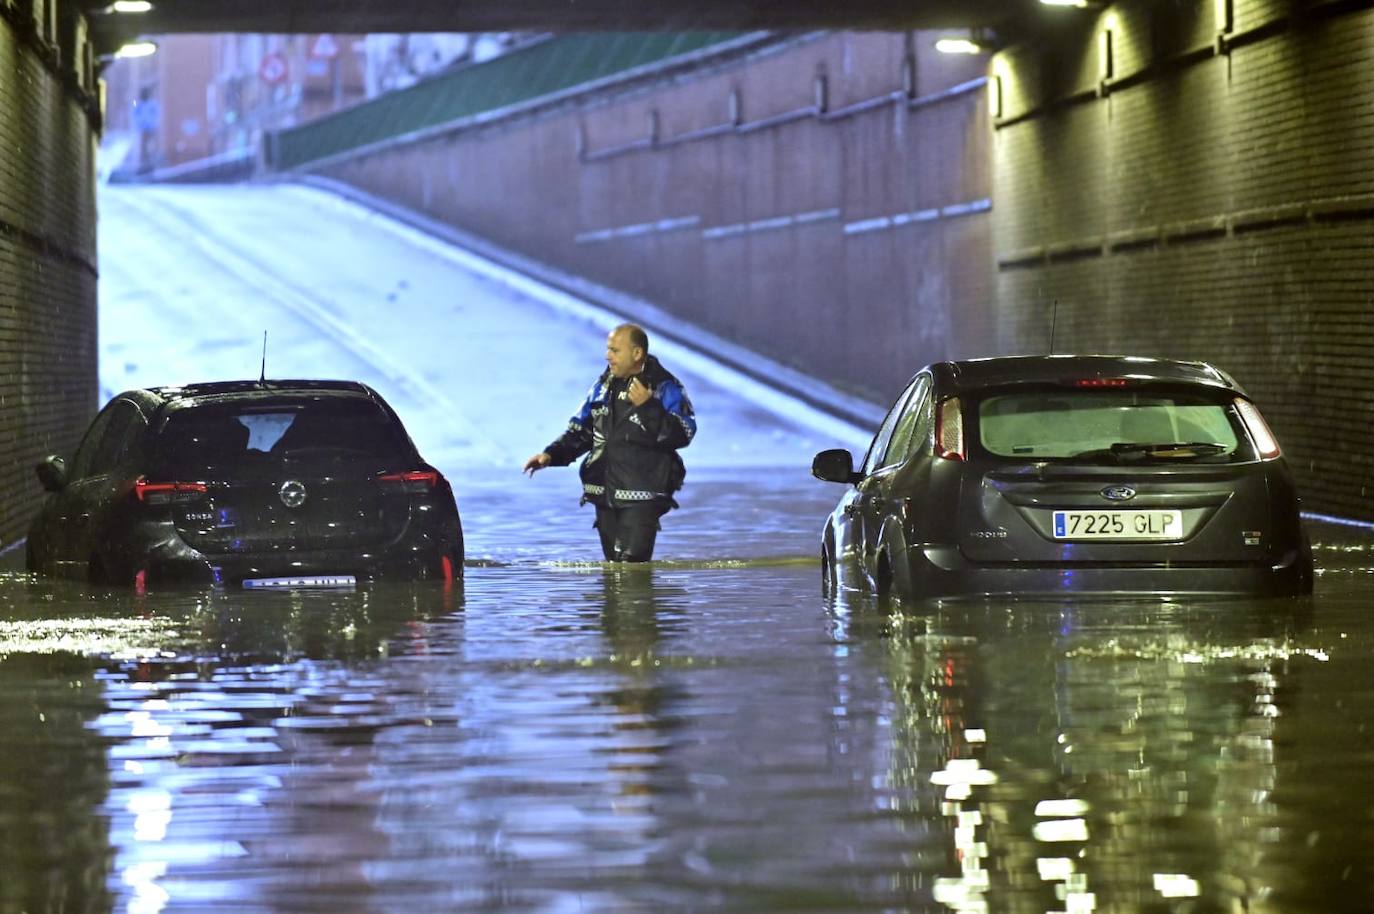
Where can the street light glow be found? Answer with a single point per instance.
(136, 49)
(958, 46)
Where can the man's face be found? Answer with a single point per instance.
(623, 359)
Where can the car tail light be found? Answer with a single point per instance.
(417, 481)
(167, 493)
(949, 430)
(1264, 439)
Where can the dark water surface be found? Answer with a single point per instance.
(705, 734)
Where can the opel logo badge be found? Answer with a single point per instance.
(292, 493)
(1111, 493)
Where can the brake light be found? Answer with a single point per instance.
(167, 493)
(1264, 439)
(1101, 382)
(949, 430)
(411, 481)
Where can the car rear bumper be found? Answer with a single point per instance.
(942, 571)
(171, 562)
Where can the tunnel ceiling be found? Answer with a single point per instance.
(364, 16)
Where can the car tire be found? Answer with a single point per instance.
(828, 587)
(97, 573)
(882, 576)
(1307, 572)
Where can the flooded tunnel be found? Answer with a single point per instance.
(803, 206)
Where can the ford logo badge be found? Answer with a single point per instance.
(1118, 493)
(292, 493)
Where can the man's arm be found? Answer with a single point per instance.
(573, 443)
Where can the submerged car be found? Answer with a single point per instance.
(246, 483)
(1053, 475)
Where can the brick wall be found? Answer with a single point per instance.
(851, 241)
(47, 263)
(1211, 201)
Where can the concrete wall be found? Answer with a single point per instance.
(823, 202)
(1211, 198)
(47, 253)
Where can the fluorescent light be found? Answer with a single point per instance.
(958, 46)
(137, 49)
(130, 6)
(1078, 3)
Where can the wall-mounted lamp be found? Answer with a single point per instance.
(131, 49)
(977, 41)
(959, 46)
(122, 8)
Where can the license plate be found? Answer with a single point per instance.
(308, 580)
(1118, 525)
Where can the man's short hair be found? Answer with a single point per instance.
(636, 334)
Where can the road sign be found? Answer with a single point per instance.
(273, 70)
(324, 48)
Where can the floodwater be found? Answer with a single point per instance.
(706, 733)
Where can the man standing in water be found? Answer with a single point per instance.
(631, 425)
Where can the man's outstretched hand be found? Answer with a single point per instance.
(537, 462)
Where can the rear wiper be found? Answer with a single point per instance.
(1134, 450)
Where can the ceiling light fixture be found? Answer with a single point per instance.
(976, 43)
(958, 46)
(136, 49)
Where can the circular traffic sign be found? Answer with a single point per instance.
(273, 70)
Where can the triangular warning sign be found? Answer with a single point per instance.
(325, 47)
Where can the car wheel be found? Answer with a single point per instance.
(1306, 569)
(882, 577)
(827, 573)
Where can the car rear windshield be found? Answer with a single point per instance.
(1112, 425)
(222, 435)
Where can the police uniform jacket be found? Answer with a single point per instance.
(631, 450)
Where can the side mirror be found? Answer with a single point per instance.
(835, 465)
(52, 473)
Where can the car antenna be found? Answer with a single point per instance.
(1054, 317)
(262, 379)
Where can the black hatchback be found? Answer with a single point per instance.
(244, 483)
(1051, 475)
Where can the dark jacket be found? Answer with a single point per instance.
(631, 450)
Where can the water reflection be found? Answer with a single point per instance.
(687, 736)
(54, 848)
(1090, 757)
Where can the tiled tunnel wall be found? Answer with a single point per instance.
(47, 252)
(1211, 197)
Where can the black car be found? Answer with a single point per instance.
(246, 483)
(1052, 475)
